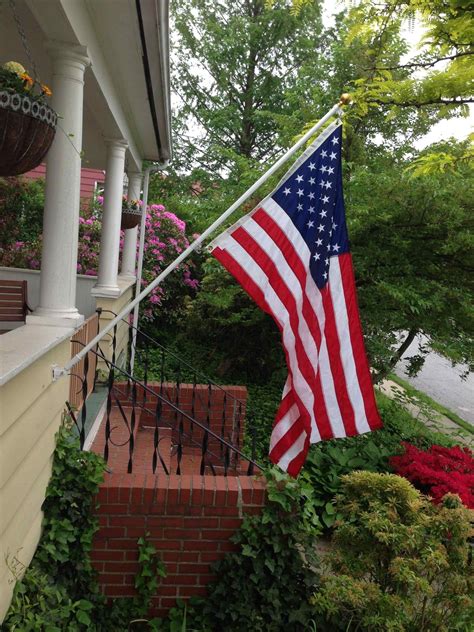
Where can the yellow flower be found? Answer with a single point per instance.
(14, 66)
(46, 90)
(27, 79)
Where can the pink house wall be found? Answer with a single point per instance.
(88, 178)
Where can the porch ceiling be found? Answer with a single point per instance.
(126, 90)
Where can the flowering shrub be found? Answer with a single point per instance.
(438, 471)
(165, 239)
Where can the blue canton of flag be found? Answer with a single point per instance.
(312, 197)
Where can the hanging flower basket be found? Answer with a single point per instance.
(131, 214)
(27, 129)
(27, 123)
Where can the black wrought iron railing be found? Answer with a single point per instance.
(201, 420)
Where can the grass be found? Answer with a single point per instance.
(423, 397)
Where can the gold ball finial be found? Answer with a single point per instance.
(345, 99)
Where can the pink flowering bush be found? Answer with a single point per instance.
(165, 240)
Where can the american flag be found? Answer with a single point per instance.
(291, 255)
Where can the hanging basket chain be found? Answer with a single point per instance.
(21, 33)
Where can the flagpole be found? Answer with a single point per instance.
(336, 109)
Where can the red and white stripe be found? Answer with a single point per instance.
(328, 392)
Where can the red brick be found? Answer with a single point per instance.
(200, 523)
(111, 532)
(167, 603)
(180, 580)
(230, 523)
(107, 555)
(161, 490)
(208, 490)
(228, 546)
(166, 521)
(210, 556)
(166, 545)
(134, 521)
(217, 534)
(232, 491)
(174, 483)
(113, 509)
(112, 578)
(205, 579)
(121, 567)
(122, 543)
(186, 556)
(199, 545)
(102, 495)
(119, 591)
(136, 496)
(246, 485)
(124, 495)
(185, 493)
(192, 591)
(149, 489)
(196, 569)
(221, 490)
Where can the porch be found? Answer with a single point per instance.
(114, 113)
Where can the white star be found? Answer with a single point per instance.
(323, 213)
(324, 153)
(311, 210)
(316, 256)
(310, 224)
(311, 166)
(322, 183)
(312, 180)
(287, 191)
(326, 261)
(336, 247)
(329, 247)
(333, 156)
(335, 141)
(328, 185)
(311, 195)
(299, 207)
(319, 242)
(325, 275)
(334, 226)
(299, 178)
(320, 228)
(330, 171)
(325, 199)
(300, 192)
(323, 169)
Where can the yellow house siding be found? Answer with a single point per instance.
(31, 408)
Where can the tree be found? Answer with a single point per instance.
(237, 63)
(411, 235)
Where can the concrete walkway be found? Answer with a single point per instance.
(422, 412)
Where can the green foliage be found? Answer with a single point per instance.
(329, 461)
(21, 210)
(265, 585)
(59, 590)
(399, 563)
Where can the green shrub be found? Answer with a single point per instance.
(399, 563)
(266, 585)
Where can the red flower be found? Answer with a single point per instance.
(438, 471)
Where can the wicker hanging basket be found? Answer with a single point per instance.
(27, 129)
(131, 217)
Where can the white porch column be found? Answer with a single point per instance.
(111, 218)
(129, 254)
(57, 305)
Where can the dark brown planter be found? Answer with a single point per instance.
(131, 218)
(27, 129)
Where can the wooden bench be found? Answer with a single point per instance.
(13, 301)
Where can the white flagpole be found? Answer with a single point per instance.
(336, 109)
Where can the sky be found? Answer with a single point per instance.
(458, 128)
